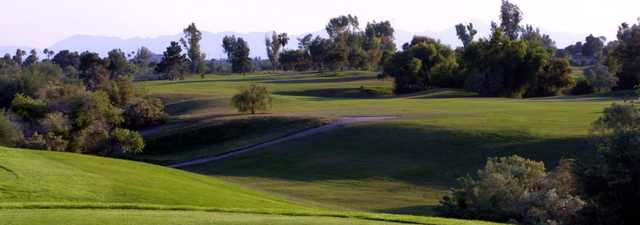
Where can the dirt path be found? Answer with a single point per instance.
(240, 151)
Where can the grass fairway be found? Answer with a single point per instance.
(51, 188)
(134, 217)
(400, 166)
(41, 177)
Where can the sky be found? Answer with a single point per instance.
(41, 23)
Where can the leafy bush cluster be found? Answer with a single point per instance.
(514, 189)
(88, 107)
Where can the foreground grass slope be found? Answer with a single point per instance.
(38, 187)
(399, 166)
(38, 176)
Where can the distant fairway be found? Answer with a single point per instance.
(399, 166)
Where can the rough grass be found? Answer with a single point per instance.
(401, 166)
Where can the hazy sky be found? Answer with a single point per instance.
(41, 23)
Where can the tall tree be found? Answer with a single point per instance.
(92, 70)
(18, 57)
(173, 62)
(228, 45)
(66, 58)
(237, 51)
(274, 45)
(341, 25)
(379, 42)
(143, 57)
(593, 46)
(466, 33)
(191, 42)
(32, 58)
(48, 53)
(510, 18)
(241, 62)
(118, 64)
(627, 54)
(305, 42)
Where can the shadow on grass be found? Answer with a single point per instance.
(412, 210)
(340, 93)
(188, 106)
(597, 97)
(323, 80)
(417, 155)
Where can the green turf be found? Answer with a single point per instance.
(170, 217)
(38, 187)
(206, 138)
(401, 166)
(39, 176)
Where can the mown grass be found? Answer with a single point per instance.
(212, 137)
(200, 217)
(38, 187)
(400, 166)
(39, 176)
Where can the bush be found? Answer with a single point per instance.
(612, 184)
(251, 99)
(144, 113)
(516, 189)
(28, 108)
(126, 141)
(9, 135)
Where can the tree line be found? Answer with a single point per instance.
(78, 102)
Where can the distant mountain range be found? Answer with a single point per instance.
(211, 42)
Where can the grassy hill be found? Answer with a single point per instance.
(400, 166)
(41, 177)
(38, 187)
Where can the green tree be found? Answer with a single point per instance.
(32, 58)
(238, 54)
(173, 62)
(421, 63)
(191, 43)
(627, 53)
(252, 98)
(510, 18)
(19, 56)
(593, 46)
(600, 79)
(319, 50)
(501, 66)
(554, 77)
(466, 33)
(65, 59)
(274, 45)
(118, 64)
